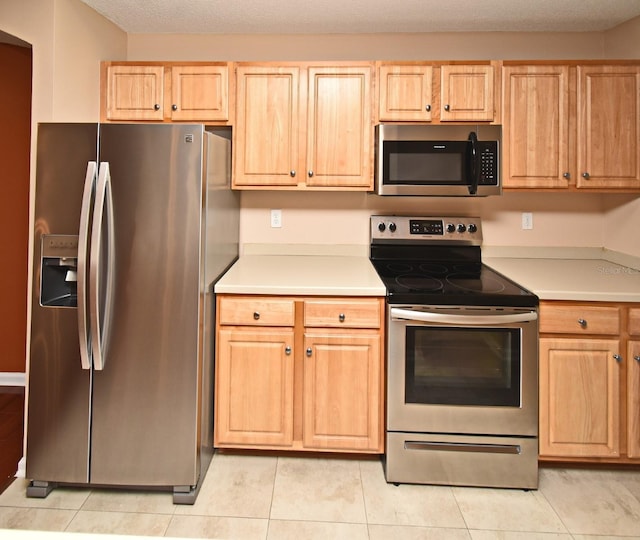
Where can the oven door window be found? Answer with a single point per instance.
(463, 366)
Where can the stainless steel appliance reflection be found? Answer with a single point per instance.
(462, 369)
(133, 226)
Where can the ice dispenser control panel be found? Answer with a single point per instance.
(59, 270)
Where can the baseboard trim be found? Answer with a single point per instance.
(12, 379)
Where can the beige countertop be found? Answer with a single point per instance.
(302, 275)
(580, 274)
(579, 279)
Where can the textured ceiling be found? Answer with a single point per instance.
(363, 16)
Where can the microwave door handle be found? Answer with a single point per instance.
(473, 163)
(446, 318)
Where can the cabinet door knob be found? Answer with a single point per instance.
(617, 358)
(446, 107)
(292, 173)
(566, 175)
(310, 173)
(427, 108)
(582, 322)
(156, 107)
(256, 315)
(341, 317)
(174, 107)
(637, 357)
(309, 351)
(287, 350)
(585, 175)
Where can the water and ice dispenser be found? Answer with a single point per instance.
(59, 267)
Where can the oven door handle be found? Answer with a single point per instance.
(446, 318)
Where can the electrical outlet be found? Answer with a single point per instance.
(276, 218)
(527, 221)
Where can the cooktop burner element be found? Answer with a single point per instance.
(437, 260)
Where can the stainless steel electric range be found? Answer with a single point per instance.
(462, 358)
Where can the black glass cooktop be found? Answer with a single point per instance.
(449, 283)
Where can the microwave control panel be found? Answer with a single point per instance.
(488, 162)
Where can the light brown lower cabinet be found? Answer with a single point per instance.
(299, 373)
(589, 382)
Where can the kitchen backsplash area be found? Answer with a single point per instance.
(558, 219)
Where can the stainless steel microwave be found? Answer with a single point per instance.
(438, 160)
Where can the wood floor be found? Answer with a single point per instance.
(11, 432)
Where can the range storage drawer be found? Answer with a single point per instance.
(579, 319)
(340, 313)
(257, 311)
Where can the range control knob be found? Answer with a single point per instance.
(392, 227)
(381, 226)
(472, 227)
(451, 227)
(461, 227)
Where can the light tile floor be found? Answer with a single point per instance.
(268, 498)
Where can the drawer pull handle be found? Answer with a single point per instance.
(256, 315)
(309, 351)
(287, 350)
(341, 317)
(582, 322)
(617, 358)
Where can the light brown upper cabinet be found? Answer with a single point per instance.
(303, 126)
(406, 93)
(535, 130)
(608, 127)
(572, 127)
(433, 92)
(193, 92)
(467, 94)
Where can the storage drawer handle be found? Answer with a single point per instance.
(464, 447)
(582, 322)
(256, 315)
(341, 317)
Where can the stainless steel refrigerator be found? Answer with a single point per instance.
(133, 226)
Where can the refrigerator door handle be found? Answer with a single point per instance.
(83, 247)
(101, 294)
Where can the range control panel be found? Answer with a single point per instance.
(450, 229)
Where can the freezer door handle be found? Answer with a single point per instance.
(83, 246)
(101, 267)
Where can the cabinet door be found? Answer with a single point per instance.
(579, 397)
(608, 127)
(535, 126)
(467, 93)
(267, 143)
(339, 128)
(405, 93)
(200, 93)
(254, 388)
(342, 406)
(633, 399)
(135, 92)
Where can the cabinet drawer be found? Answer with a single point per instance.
(342, 313)
(634, 321)
(577, 319)
(257, 311)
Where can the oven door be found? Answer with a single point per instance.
(471, 370)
